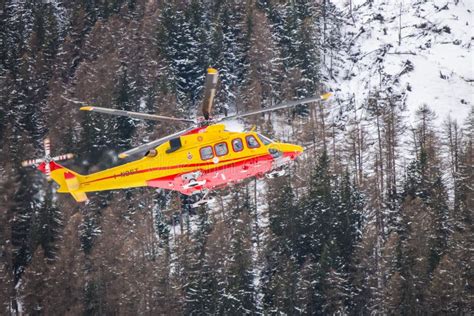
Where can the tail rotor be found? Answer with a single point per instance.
(45, 162)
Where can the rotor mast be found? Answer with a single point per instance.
(210, 88)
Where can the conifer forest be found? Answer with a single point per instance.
(374, 218)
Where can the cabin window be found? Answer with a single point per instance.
(206, 153)
(237, 145)
(252, 141)
(221, 149)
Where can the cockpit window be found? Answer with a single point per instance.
(265, 140)
(252, 141)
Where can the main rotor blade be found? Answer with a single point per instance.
(209, 92)
(73, 101)
(146, 147)
(31, 162)
(280, 106)
(135, 115)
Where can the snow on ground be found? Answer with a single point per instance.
(422, 49)
(436, 39)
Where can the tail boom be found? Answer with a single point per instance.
(68, 180)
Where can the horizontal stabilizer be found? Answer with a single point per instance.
(79, 196)
(73, 184)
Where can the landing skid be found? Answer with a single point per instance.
(194, 183)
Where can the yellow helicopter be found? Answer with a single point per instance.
(198, 159)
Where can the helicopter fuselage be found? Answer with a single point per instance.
(203, 159)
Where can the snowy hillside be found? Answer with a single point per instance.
(423, 47)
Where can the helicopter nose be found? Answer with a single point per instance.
(295, 151)
(290, 150)
(299, 150)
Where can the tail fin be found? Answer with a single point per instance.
(68, 180)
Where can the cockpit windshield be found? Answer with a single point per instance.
(265, 140)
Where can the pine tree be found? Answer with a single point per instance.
(283, 209)
(281, 274)
(463, 199)
(228, 51)
(330, 38)
(202, 287)
(89, 229)
(336, 292)
(294, 27)
(68, 272)
(182, 39)
(7, 287)
(259, 84)
(316, 242)
(394, 292)
(239, 294)
(447, 291)
(424, 180)
(325, 289)
(423, 228)
(441, 222)
(36, 284)
(415, 252)
(348, 218)
(125, 100)
(366, 279)
(47, 224)
(24, 209)
(316, 220)
(455, 266)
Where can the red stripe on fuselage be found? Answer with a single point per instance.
(172, 167)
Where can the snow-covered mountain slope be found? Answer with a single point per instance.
(422, 47)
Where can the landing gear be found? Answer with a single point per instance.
(191, 180)
(276, 173)
(193, 183)
(203, 201)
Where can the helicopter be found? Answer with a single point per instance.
(199, 159)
